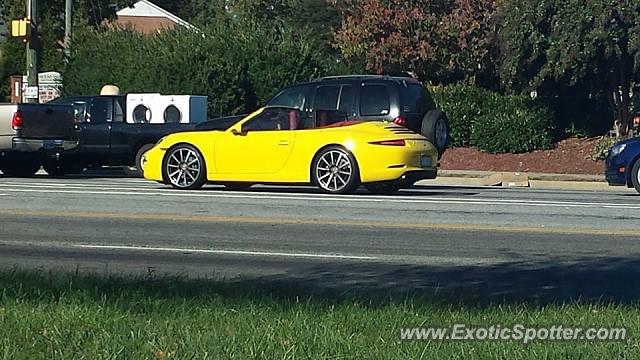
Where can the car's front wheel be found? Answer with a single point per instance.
(635, 175)
(184, 167)
(335, 170)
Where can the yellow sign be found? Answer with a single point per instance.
(21, 28)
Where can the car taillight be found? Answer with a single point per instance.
(16, 120)
(389, 142)
(400, 121)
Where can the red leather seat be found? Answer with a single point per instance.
(294, 119)
(324, 118)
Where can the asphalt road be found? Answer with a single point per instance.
(484, 242)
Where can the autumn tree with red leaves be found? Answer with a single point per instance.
(441, 41)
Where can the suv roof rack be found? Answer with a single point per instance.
(367, 76)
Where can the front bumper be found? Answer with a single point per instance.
(616, 172)
(153, 164)
(36, 145)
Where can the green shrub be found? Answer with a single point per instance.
(494, 122)
(513, 124)
(602, 148)
(464, 104)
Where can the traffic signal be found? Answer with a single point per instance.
(21, 29)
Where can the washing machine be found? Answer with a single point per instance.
(156, 108)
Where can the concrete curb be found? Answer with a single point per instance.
(498, 180)
(475, 174)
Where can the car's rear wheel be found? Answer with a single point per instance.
(635, 175)
(435, 127)
(184, 167)
(384, 188)
(335, 170)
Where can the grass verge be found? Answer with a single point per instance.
(70, 316)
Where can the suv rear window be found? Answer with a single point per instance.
(374, 100)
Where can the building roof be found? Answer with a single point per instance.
(144, 8)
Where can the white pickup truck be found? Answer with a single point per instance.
(30, 134)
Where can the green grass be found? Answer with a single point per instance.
(69, 316)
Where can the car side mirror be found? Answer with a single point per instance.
(237, 132)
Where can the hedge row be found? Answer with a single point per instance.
(494, 122)
(237, 64)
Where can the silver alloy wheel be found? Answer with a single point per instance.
(441, 133)
(334, 170)
(183, 167)
(638, 176)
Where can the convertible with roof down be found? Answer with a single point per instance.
(281, 145)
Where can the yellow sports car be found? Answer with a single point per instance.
(277, 145)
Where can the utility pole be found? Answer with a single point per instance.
(33, 53)
(68, 24)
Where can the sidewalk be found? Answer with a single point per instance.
(523, 180)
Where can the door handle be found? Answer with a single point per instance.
(283, 142)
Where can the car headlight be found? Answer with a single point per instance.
(617, 149)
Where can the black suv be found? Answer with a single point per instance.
(401, 100)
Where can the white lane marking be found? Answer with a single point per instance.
(4, 194)
(227, 252)
(353, 198)
(250, 194)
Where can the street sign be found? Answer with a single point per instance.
(31, 92)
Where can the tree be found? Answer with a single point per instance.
(90, 13)
(548, 44)
(237, 64)
(441, 41)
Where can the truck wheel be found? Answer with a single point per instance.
(54, 168)
(635, 175)
(435, 127)
(139, 165)
(20, 169)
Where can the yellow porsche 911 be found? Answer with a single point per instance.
(277, 145)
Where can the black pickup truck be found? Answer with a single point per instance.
(106, 138)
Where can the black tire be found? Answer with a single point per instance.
(61, 168)
(635, 175)
(54, 168)
(23, 168)
(139, 165)
(184, 161)
(340, 155)
(384, 188)
(433, 122)
(237, 186)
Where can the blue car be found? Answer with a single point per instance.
(623, 164)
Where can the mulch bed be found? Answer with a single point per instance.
(568, 157)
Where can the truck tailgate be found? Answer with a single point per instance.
(47, 121)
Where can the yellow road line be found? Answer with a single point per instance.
(328, 222)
